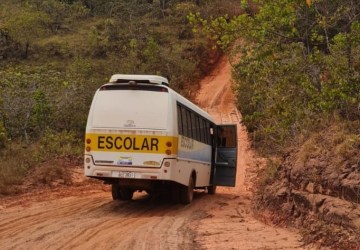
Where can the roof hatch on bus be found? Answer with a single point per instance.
(149, 79)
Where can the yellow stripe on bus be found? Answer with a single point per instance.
(132, 143)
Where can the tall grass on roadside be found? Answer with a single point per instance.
(42, 161)
(16, 160)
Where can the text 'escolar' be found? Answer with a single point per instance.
(128, 143)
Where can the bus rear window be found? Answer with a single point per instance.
(129, 109)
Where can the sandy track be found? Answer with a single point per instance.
(222, 221)
(93, 221)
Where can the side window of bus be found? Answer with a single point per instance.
(208, 136)
(205, 131)
(194, 126)
(201, 129)
(189, 127)
(184, 122)
(180, 121)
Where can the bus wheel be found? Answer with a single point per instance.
(175, 190)
(115, 191)
(123, 194)
(211, 189)
(126, 194)
(187, 192)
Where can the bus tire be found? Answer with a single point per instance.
(187, 192)
(123, 194)
(175, 193)
(126, 194)
(211, 189)
(115, 191)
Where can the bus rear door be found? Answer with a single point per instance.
(225, 155)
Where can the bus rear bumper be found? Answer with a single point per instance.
(126, 173)
(130, 172)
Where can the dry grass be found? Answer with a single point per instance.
(309, 148)
(26, 166)
(268, 174)
(16, 160)
(339, 144)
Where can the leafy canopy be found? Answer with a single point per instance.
(295, 62)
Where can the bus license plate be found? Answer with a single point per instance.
(126, 174)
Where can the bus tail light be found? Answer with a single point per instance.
(169, 144)
(88, 140)
(88, 149)
(168, 152)
(167, 164)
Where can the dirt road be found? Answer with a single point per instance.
(87, 218)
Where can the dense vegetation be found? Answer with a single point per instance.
(296, 65)
(54, 54)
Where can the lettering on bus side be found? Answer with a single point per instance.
(187, 143)
(128, 143)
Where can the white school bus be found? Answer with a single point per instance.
(142, 135)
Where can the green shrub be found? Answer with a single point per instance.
(64, 143)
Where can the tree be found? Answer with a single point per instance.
(25, 26)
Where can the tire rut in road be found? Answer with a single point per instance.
(14, 222)
(98, 222)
